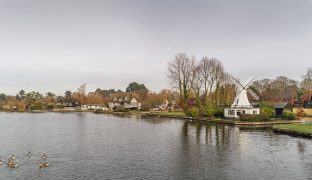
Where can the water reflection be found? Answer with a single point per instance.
(240, 149)
(301, 145)
(255, 128)
(209, 133)
(81, 136)
(153, 119)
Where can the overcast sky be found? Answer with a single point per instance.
(56, 45)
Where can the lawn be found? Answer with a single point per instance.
(175, 113)
(304, 128)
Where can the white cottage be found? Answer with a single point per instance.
(134, 104)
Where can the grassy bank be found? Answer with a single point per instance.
(178, 113)
(301, 128)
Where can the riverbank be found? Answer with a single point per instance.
(177, 115)
(304, 130)
(181, 115)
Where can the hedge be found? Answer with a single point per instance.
(289, 115)
(254, 117)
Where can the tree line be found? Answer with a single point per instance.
(199, 86)
(283, 88)
(212, 88)
(35, 100)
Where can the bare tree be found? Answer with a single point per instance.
(218, 72)
(211, 73)
(306, 83)
(262, 85)
(206, 77)
(197, 84)
(181, 75)
(278, 89)
(82, 93)
(228, 90)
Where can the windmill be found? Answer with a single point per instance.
(241, 103)
(241, 99)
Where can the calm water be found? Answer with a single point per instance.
(90, 146)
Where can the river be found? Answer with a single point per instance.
(96, 146)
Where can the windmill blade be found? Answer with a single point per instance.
(253, 94)
(249, 82)
(237, 82)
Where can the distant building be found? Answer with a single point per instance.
(164, 105)
(173, 105)
(306, 100)
(9, 108)
(192, 102)
(279, 109)
(113, 105)
(71, 104)
(92, 107)
(125, 102)
(133, 104)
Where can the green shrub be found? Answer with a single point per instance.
(269, 111)
(209, 110)
(121, 109)
(254, 117)
(219, 113)
(36, 107)
(212, 111)
(266, 104)
(99, 111)
(50, 107)
(194, 112)
(289, 115)
(59, 106)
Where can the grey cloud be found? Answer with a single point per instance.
(57, 45)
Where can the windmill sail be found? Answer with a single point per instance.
(253, 94)
(241, 99)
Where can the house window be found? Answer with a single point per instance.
(238, 113)
(243, 112)
(255, 112)
(231, 112)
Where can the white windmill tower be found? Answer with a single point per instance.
(241, 104)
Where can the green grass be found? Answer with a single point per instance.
(304, 128)
(178, 113)
(138, 112)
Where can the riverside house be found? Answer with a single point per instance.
(93, 107)
(306, 100)
(125, 102)
(133, 104)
